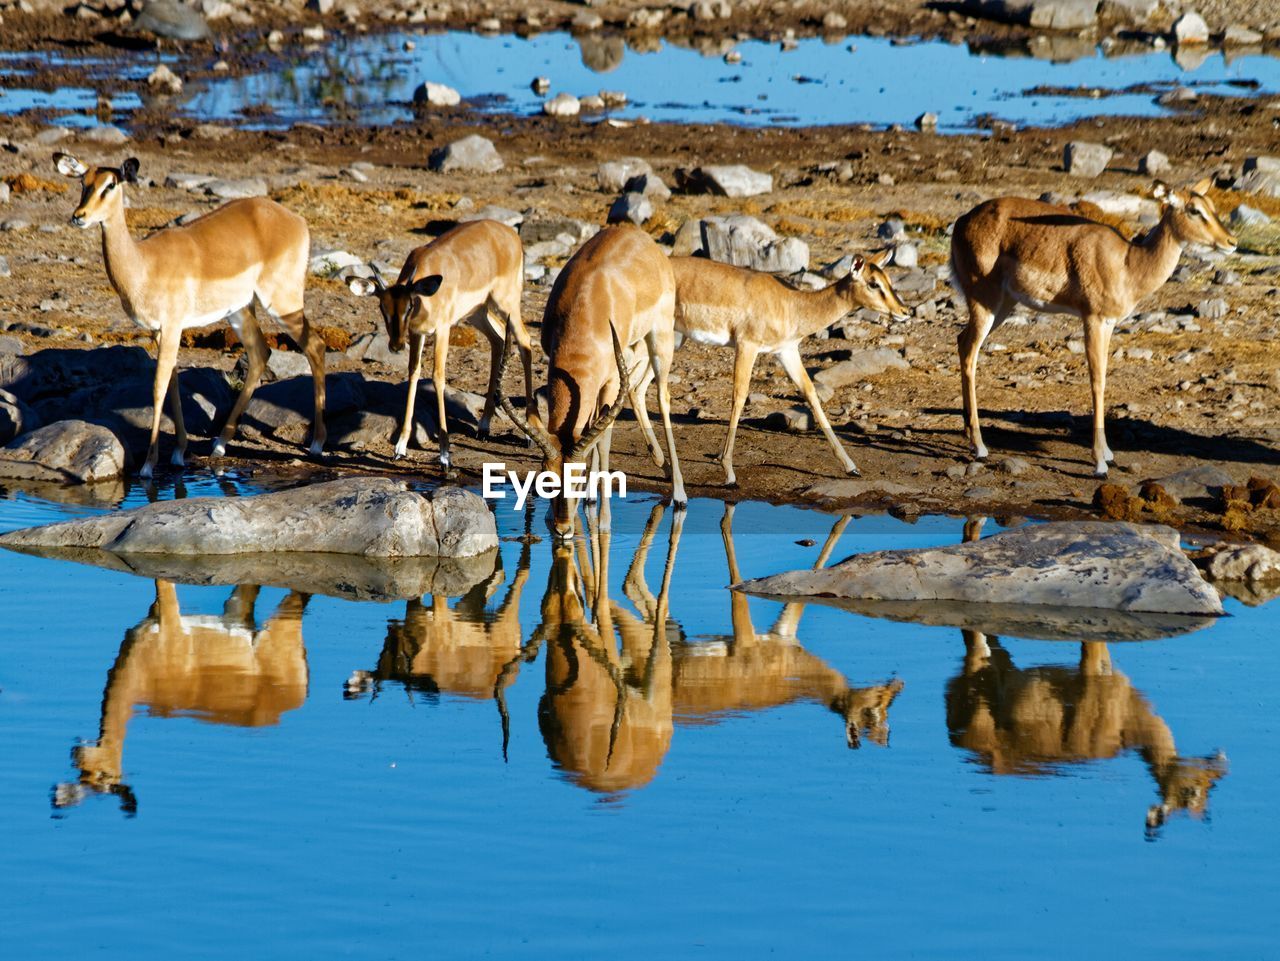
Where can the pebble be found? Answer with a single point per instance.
(1212, 308)
(15, 225)
(4, 267)
(1084, 159)
(165, 80)
(1153, 164)
(540, 85)
(927, 122)
(1190, 28)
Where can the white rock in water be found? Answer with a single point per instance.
(436, 95)
(1121, 567)
(562, 105)
(371, 516)
(164, 79)
(1191, 28)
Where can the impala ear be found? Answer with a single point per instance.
(881, 258)
(858, 267)
(1162, 192)
(69, 166)
(426, 286)
(1203, 186)
(129, 171)
(361, 286)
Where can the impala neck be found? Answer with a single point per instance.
(124, 261)
(1152, 260)
(821, 309)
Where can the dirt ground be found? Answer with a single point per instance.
(1204, 396)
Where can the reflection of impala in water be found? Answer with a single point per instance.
(462, 649)
(747, 671)
(216, 668)
(1027, 721)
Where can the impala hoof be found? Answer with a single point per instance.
(852, 471)
(401, 451)
(1100, 471)
(316, 448)
(146, 471)
(219, 448)
(177, 460)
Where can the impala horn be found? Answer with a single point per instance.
(536, 434)
(604, 420)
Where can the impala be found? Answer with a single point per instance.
(1010, 251)
(221, 669)
(473, 274)
(756, 313)
(214, 268)
(616, 292)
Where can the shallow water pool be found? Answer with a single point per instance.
(371, 80)
(212, 770)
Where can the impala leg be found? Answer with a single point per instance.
(313, 347)
(416, 344)
(245, 324)
(497, 339)
(637, 393)
(1097, 344)
(744, 360)
(678, 495)
(602, 449)
(794, 366)
(970, 342)
(166, 360)
(438, 365)
(178, 458)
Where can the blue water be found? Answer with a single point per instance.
(381, 819)
(371, 79)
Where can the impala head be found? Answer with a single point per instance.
(867, 285)
(1194, 217)
(401, 303)
(557, 441)
(100, 192)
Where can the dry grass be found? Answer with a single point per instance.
(25, 183)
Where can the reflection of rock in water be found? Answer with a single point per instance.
(1032, 721)
(601, 54)
(219, 669)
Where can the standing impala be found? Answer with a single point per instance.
(617, 291)
(214, 268)
(1010, 251)
(756, 313)
(473, 274)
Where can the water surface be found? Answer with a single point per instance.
(542, 768)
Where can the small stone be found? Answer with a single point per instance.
(104, 133)
(1238, 36)
(1084, 159)
(14, 225)
(927, 122)
(236, 189)
(164, 80)
(906, 255)
(649, 184)
(832, 21)
(436, 95)
(1013, 466)
(474, 152)
(1213, 308)
(633, 207)
(1190, 28)
(1153, 164)
(562, 105)
(892, 229)
(540, 85)
(504, 215)
(591, 103)
(613, 98)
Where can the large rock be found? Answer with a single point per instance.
(371, 516)
(732, 180)
(1084, 159)
(1190, 28)
(54, 373)
(1248, 562)
(1122, 567)
(1205, 481)
(473, 152)
(747, 242)
(236, 189)
(67, 452)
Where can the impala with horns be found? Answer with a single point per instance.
(215, 268)
(223, 669)
(473, 274)
(615, 293)
(1010, 251)
(756, 313)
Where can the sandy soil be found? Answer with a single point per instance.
(1205, 396)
